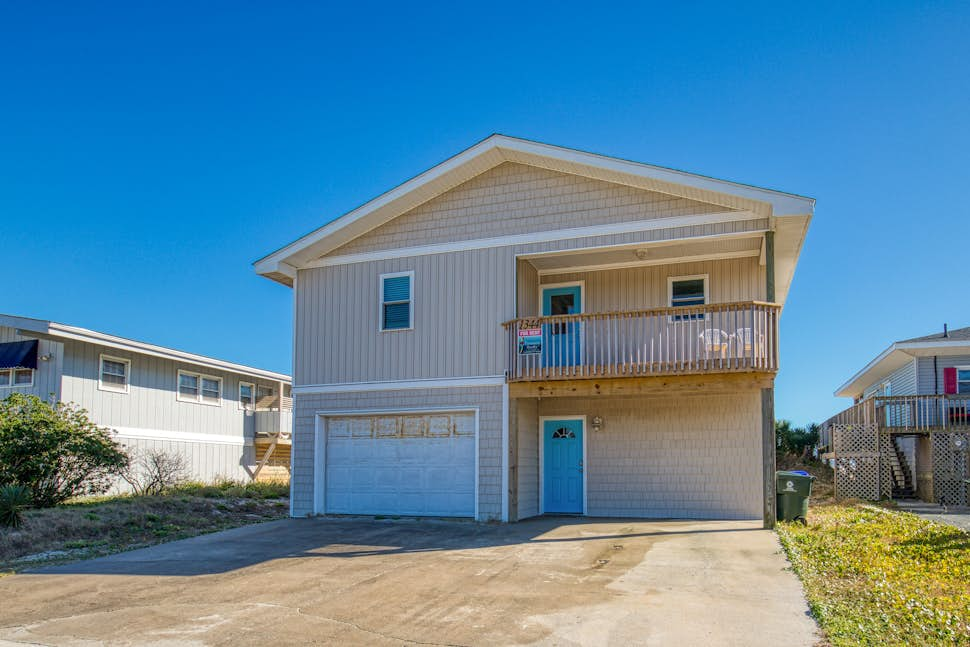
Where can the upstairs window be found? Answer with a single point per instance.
(963, 380)
(396, 301)
(686, 291)
(10, 377)
(114, 374)
(195, 387)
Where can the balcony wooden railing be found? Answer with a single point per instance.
(720, 338)
(905, 413)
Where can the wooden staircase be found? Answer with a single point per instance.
(902, 473)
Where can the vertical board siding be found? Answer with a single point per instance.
(204, 461)
(151, 399)
(686, 457)
(517, 199)
(459, 303)
(729, 280)
(47, 377)
(925, 378)
(527, 289)
(488, 401)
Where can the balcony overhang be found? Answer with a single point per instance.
(748, 244)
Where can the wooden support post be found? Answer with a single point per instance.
(513, 492)
(770, 266)
(768, 453)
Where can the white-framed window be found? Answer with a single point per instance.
(397, 301)
(686, 291)
(14, 377)
(114, 374)
(247, 396)
(198, 387)
(963, 379)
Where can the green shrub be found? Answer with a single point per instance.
(54, 450)
(14, 499)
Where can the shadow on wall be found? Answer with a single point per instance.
(361, 538)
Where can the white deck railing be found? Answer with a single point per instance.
(720, 338)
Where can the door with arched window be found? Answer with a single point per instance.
(562, 466)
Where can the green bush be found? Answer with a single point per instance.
(55, 451)
(795, 440)
(14, 499)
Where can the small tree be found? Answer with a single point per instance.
(54, 450)
(154, 471)
(795, 440)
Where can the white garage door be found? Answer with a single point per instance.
(414, 464)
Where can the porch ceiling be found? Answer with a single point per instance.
(647, 254)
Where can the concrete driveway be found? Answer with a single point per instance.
(544, 581)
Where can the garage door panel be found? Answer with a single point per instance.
(382, 465)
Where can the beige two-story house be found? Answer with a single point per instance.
(526, 329)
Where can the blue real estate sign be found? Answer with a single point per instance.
(530, 341)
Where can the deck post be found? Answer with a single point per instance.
(768, 453)
(770, 266)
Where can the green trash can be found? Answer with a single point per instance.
(792, 490)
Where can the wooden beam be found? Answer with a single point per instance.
(768, 453)
(667, 385)
(266, 456)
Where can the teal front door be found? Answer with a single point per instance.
(562, 341)
(562, 466)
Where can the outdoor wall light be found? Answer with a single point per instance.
(597, 423)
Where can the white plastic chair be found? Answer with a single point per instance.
(714, 341)
(746, 338)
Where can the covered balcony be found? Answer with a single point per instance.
(717, 338)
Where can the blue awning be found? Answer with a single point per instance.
(19, 354)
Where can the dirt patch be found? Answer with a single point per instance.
(94, 528)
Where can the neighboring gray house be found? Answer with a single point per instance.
(526, 329)
(223, 417)
(915, 397)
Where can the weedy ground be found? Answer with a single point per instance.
(99, 526)
(877, 576)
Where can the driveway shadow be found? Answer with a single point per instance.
(358, 538)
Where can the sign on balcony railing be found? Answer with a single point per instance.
(693, 339)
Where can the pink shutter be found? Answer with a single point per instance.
(949, 380)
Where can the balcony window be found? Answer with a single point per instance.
(686, 291)
(963, 380)
(247, 396)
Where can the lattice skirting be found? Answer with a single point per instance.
(951, 452)
(863, 458)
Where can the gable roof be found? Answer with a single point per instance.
(282, 264)
(957, 342)
(51, 329)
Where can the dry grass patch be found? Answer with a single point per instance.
(879, 577)
(96, 527)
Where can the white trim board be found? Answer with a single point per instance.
(179, 436)
(550, 236)
(400, 385)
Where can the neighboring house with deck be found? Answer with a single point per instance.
(526, 329)
(228, 420)
(908, 430)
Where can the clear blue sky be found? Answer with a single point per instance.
(149, 152)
